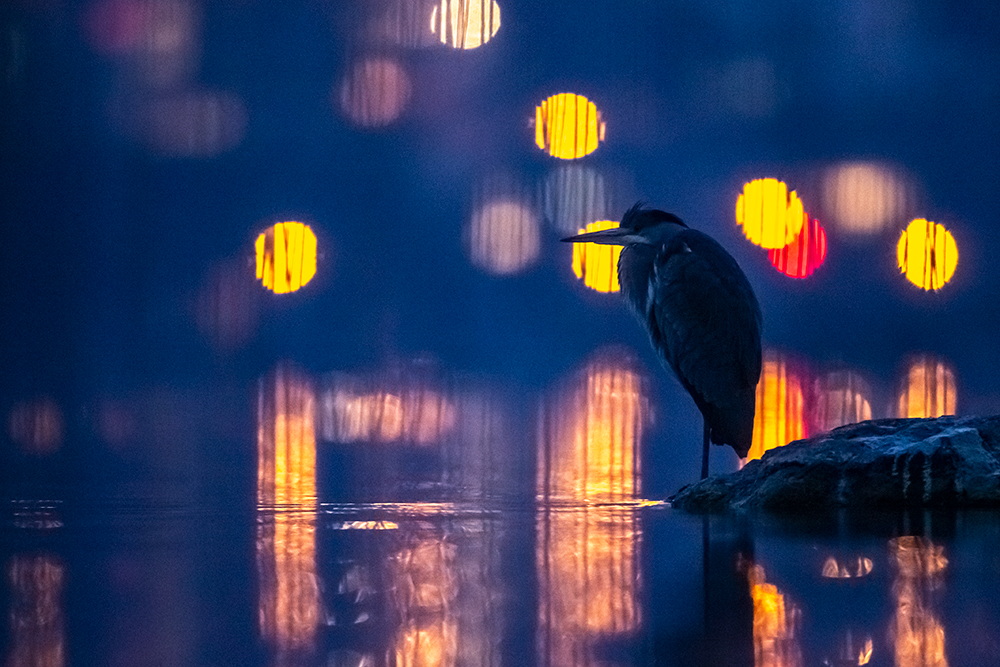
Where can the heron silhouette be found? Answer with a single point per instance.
(701, 314)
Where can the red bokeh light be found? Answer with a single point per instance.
(804, 255)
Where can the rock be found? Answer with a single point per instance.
(886, 463)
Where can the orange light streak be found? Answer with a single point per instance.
(775, 624)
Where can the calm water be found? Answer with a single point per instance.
(474, 583)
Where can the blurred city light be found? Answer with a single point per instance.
(288, 598)
(780, 411)
(597, 264)
(193, 124)
(37, 425)
(504, 235)
(917, 635)
(375, 92)
(927, 254)
(865, 197)
(591, 432)
(776, 623)
(286, 256)
(226, 311)
(839, 398)
(771, 216)
(465, 24)
(574, 196)
(404, 412)
(928, 389)
(36, 636)
(568, 126)
(805, 254)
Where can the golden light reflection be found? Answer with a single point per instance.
(503, 236)
(770, 215)
(427, 588)
(805, 254)
(587, 556)
(37, 632)
(286, 256)
(780, 415)
(465, 24)
(375, 92)
(197, 124)
(917, 635)
(288, 607)
(776, 624)
(840, 397)
(37, 425)
(865, 197)
(595, 264)
(410, 414)
(928, 390)
(568, 126)
(927, 254)
(852, 569)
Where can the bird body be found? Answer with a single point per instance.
(701, 315)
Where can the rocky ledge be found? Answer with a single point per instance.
(886, 463)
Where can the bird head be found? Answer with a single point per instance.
(638, 225)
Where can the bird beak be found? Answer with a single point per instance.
(613, 236)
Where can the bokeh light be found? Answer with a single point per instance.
(776, 623)
(770, 215)
(916, 633)
(37, 425)
(375, 92)
(465, 24)
(575, 195)
(928, 389)
(865, 197)
(286, 256)
(597, 264)
(193, 124)
(805, 254)
(927, 254)
(839, 398)
(568, 126)
(503, 235)
(780, 411)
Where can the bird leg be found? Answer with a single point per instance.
(704, 453)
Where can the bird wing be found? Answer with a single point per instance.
(705, 321)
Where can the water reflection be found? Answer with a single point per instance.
(776, 622)
(37, 618)
(917, 633)
(288, 607)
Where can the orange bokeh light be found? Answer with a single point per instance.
(596, 264)
(568, 126)
(286, 256)
(770, 215)
(780, 414)
(504, 236)
(865, 197)
(805, 254)
(927, 254)
(375, 92)
(928, 389)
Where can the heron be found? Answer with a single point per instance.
(701, 314)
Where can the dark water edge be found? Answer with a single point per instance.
(493, 583)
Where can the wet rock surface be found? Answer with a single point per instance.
(887, 463)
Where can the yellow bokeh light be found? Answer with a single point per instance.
(927, 254)
(596, 264)
(779, 415)
(375, 92)
(864, 197)
(568, 126)
(465, 24)
(286, 256)
(504, 236)
(928, 390)
(770, 215)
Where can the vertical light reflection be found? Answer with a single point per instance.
(841, 397)
(288, 607)
(465, 24)
(37, 425)
(917, 635)
(587, 554)
(37, 625)
(928, 390)
(780, 412)
(775, 624)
